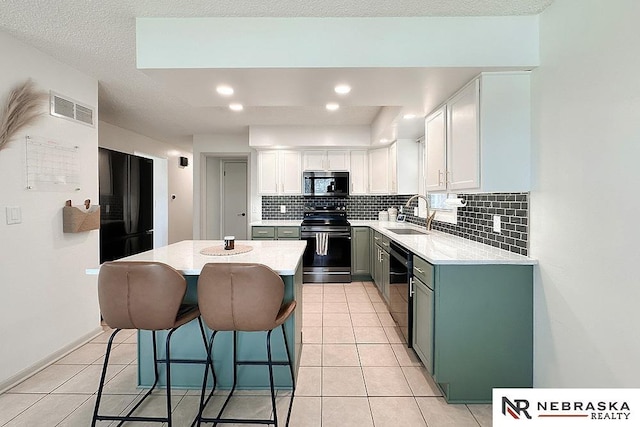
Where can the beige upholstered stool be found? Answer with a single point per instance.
(145, 296)
(243, 298)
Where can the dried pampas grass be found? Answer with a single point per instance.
(23, 106)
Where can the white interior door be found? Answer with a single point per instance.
(234, 199)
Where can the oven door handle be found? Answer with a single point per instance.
(331, 235)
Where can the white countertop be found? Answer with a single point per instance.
(277, 223)
(436, 247)
(442, 248)
(283, 256)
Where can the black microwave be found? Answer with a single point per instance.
(334, 184)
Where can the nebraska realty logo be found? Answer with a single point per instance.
(566, 407)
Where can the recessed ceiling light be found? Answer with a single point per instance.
(332, 106)
(236, 107)
(384, 140)
(409, 116)
(342, 89)
(224, 90)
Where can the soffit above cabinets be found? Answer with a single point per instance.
(139, 100)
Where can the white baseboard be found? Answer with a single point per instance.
(49, 360)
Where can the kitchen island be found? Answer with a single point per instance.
(284, 257)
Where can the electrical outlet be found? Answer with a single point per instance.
(496, 223)
(283, 209)
(415, 211)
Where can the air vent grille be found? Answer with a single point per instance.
(84, 114)
(67, 108)
(63, 107)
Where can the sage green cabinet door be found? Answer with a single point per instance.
(385, 285)
(360, 248)
(263, 233)
(373, 254)
(378, 268)
(423, 304)
(288, 233)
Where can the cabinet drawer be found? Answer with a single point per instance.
(386, 243)
(288, 232)
(263, 232)
(423, 271)
(382, 240)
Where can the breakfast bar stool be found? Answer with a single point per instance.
(243, 298)
(144, 296)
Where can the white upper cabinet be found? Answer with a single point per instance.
(268, 178)
(486, 142)
(330, 160)
(435, 137)
(404, 158)
(394, 169)
(358, 172)
(463, 148)
(379, 171)
(279, 172)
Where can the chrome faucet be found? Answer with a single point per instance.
(430, 216)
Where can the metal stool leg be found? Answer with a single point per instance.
(103, 377)
(168, 379)
(293, 380)
(270, 365)
(203, 402)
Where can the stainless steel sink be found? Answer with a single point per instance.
(406, 231)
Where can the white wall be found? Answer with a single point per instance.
(584, 205)
(48, 303)
(231, 145)
(180, 178)
(309, 136)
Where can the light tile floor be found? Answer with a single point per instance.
(355, 371)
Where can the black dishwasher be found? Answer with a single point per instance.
(400, 296)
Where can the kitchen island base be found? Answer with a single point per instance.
(187, 344)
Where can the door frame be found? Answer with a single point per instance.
(223, 162)
(205, 159)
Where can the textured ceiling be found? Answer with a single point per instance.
(98, 38)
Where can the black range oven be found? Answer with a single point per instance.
(327, 257)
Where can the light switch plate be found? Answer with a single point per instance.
(283, 209)
(496, 223)
(14, 215)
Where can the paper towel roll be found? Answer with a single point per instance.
(454, 202)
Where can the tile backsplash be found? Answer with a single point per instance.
(475, 221)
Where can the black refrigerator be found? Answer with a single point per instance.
(126, 204)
